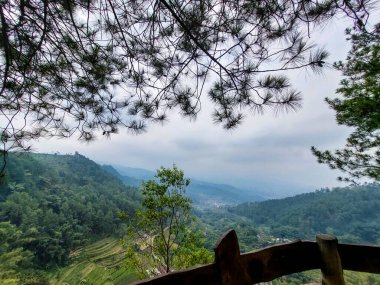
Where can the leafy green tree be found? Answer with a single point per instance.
(81, 66)
(358, 108)
(13, 257)
(162, 233)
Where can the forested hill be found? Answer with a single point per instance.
(58, 202)
(351, 213)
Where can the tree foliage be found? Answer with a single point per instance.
(81, 66)
(350, 213)
(359, 107)
(161, 237)
(12, 255)
(60, 202)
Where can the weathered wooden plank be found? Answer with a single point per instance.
(363, 258)
(228, 262)
(332, 272)
(272, 262)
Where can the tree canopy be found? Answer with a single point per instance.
(351, 213)
(86, 66)
(358, 107)
(12, 255)
(57, 203)
(161, 233)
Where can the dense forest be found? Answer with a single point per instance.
(351, 213)
(52, 204)
(60, 221)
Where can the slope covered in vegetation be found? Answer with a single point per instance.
(59, 222)
(99, 263)
(351, 213)
(56, 203)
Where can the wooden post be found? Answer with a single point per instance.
(332, 272)
(227, 259)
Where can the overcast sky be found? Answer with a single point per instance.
(266, 153)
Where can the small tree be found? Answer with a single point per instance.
(359, 108)
(162, 236)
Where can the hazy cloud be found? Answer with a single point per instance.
(269, 153)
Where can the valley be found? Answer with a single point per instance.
(59, 220)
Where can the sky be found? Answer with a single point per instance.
(267, 153)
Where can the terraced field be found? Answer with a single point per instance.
(102, 263)
(99, 263)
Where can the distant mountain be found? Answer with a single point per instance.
(204, 194)
(137, 173)
(130, 181)
(351, 213)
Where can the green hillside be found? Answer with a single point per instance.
(351, 213)
(52, 204)
(59, 222)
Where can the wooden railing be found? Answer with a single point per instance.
(233, 268)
